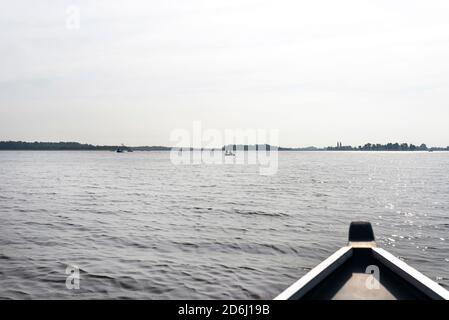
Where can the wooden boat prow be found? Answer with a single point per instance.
(362, 271)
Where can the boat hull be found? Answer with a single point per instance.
(361, 271)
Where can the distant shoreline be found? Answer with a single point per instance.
(76, 146)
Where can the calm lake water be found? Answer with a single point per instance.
(140, 227)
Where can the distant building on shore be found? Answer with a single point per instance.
(340, 146)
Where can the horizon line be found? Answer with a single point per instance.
(338, 146)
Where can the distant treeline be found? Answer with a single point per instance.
(152, 148)
(265, 147)
(20, 145)
(245, 147)
(388, 147)
(340, 147)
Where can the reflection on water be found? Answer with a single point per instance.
(139, 227)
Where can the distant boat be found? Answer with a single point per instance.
(229, 153)
(122, 149)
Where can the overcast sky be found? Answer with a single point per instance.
(319, 71)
